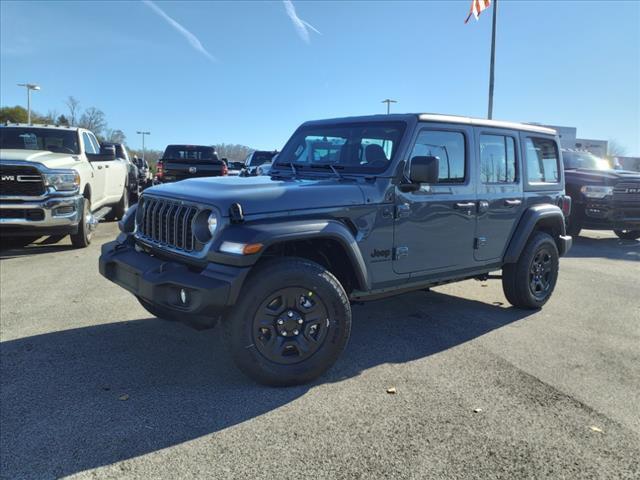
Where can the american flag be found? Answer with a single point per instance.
(477, 6)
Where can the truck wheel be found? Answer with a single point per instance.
(121, 208)
(628, 234)
(290, 324)
(574, 224)
(530, 282)
(82, 239)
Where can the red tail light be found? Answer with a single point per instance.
(225, 169)
(565, 205)
(159, 169)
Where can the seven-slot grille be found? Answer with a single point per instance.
(627, 192)
(168, 223)
(20, 181)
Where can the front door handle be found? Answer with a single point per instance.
(106, 166)
(465, 205)
(512, 202)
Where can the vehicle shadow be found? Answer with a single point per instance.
(83, 398)
(46, 245)
(611, 248)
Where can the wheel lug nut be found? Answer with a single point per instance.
(284, 334)
(280, 321)
(289, 314)
(295, 332)
(300, 321)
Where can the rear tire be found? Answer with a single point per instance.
(529, 283)
(574, 224)
(292, 322)
(82, 239)
(628, 234)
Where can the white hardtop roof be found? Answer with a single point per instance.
(37, 125)
(432, 117)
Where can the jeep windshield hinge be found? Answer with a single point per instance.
(400, 252)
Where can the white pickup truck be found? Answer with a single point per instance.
(57, 181)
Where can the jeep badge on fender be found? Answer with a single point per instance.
(352, 210)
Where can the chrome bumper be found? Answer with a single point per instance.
(57, 212)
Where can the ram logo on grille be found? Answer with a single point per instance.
(167, 223)
(8, 178)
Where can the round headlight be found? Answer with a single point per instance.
(212, 223)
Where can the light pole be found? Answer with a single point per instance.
(29, 87)
(388, 101)
(143, 134)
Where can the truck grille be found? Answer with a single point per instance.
(627, 192)
(20, 181)
(167, 223)
(22, 213)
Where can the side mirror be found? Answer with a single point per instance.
(424, 170)
(106, 154)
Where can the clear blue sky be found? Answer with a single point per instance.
(574, 63)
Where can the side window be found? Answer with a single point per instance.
(448, 148)
(497, 159)
(542, 160)
(89, 146)
(96, 144)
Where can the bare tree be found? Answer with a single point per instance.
(74, 110)
(93, 119)
(115, 136)
(615, 149)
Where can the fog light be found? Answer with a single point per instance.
(183, 296)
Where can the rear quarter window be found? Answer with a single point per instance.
(542, 160)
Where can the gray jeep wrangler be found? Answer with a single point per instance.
(354, 209)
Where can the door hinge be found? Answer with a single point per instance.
(480, 242)
(400, 252)
(403, 210)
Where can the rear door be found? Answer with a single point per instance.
(500, 191)
(182, 162)
(435, 226)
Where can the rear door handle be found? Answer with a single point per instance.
(465, 205)
(513, 203)
(99, 167)
(106, 166)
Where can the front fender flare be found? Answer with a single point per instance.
(535, 216)
(270, 233)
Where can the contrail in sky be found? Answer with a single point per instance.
(191, 38)
(302, 27)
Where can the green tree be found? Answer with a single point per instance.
(15, 114)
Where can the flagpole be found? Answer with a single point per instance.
(493, 59)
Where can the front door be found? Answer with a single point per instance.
(435, 226)
(500, 198)
(98, 183)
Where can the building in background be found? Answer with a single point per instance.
(569, 139)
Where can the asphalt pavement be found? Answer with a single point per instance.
(92, 387)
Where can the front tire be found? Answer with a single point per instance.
(121, 208)
(82, 239)
(291, 323)
(529, 283)
(627, 234)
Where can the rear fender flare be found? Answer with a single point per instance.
(534, 217)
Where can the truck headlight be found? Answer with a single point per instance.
(596, 191)
(63, 181)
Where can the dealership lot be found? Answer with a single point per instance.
(92, 386)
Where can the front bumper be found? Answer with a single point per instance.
(611, 215)
(50, 216)
(208, 292)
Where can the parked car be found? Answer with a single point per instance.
(188, 161)
(265, 168)
(602, 198)
(234, 168)
(355, 209)
(256, 159)
(145, 177)
(57, 181)
(133, 182)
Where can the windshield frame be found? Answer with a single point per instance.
(282, 164)
(41, 133)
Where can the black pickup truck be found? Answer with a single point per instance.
(180, 162)
(602, 198)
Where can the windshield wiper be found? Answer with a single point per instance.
(333, 168)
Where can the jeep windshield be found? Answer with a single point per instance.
(584, 160)
(47, 139)
(260, 158)
(190, 154)
(367, 148)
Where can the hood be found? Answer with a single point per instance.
(599, 177)
(48, 159)
(263, 194)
